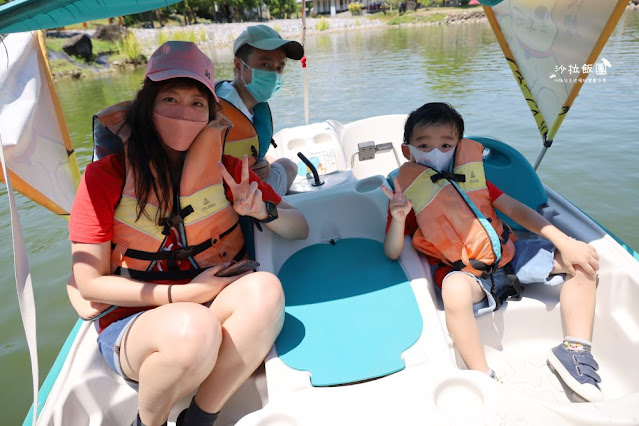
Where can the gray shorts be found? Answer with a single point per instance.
(532, 263)
(278, 179)
(109, 342)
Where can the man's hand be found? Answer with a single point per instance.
(262, 168)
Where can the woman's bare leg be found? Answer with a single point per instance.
(251, 311)
(169, 350)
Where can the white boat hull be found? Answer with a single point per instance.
(434, 387)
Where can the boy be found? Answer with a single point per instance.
(454, 221)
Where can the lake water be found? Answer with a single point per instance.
(352, 76)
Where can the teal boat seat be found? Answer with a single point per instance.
(509, 170)
(350, 312)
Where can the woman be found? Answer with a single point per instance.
(151, 227)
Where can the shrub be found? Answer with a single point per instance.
(179, 35)
(131, 47)
(322, 24)
(355, 8)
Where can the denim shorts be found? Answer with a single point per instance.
(532, 263)
(109, 342)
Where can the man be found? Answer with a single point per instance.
(260, 58)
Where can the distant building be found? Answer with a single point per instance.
(333, 7)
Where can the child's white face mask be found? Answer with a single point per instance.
(434, 158)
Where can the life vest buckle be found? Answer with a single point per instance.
(183, 253)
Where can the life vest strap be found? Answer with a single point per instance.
(476, 264)
(170, 274)
(449, 176)
(240, 254)
(179, 254)
(174, 275)
(506, 234)
(174, 220)
(512, 291)
(228, 231)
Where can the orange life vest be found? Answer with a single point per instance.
(246, 137)
(449, 230)
(206, 220)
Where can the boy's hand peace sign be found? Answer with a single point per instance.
(399, 205)
(247, 198)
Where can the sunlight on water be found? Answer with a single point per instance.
(353, 76)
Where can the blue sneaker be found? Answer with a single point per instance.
(578, 370)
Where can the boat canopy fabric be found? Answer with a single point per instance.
(38, 148)
(552, 47)
(31, 15)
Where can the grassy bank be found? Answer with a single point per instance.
(423, 16)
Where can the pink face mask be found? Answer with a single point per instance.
(178, 124)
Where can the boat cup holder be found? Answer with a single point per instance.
(369, 184)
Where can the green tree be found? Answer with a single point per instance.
(282, 9)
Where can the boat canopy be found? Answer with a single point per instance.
(31, 15)
(552, 48)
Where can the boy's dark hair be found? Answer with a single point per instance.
(434, 114)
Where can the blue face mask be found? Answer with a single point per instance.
(264, 84)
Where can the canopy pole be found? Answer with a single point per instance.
(24, 285)
(305, 70)
(540, 156)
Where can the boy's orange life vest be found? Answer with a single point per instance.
(448, 228)
(206, 219)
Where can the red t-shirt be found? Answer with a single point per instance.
(99, 192)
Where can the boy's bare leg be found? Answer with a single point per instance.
(459, 292)
(251, 311)
(577, 300)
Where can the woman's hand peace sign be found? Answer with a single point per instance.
(399, 205)
(247, 198)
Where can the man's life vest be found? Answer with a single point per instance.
(205, 219)
(449, 229)
(246, 137)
